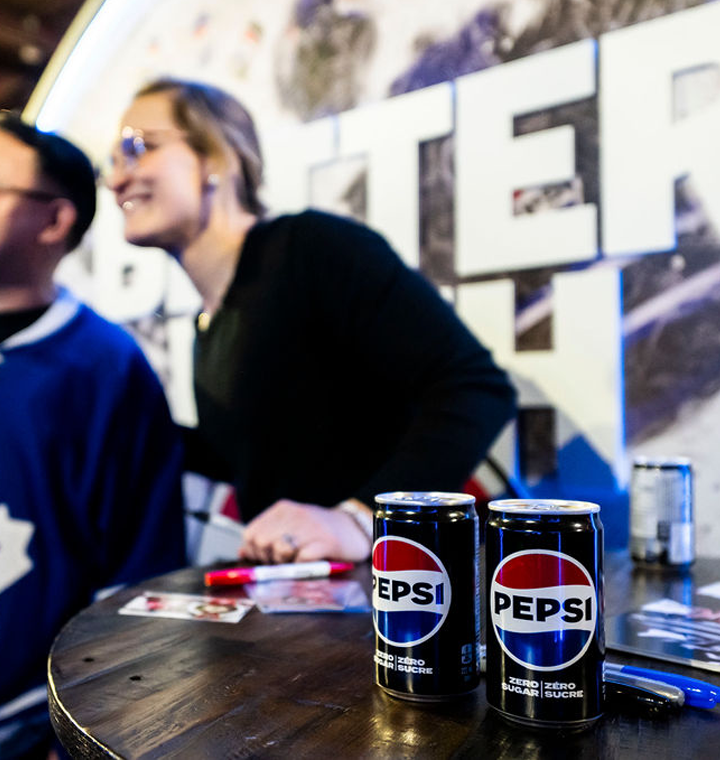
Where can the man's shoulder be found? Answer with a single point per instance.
(95, 343)
(95, 327)
(70, 326)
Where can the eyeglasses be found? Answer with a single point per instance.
(27, 192)
(135, 143)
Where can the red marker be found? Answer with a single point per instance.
(292, 571)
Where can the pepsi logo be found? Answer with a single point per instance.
(543, 608)
(411, 591)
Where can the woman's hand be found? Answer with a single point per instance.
(289, 531)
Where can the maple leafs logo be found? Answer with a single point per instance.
(15, 536)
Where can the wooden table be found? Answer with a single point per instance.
(301, 686)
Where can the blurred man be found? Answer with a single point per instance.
(90, 460)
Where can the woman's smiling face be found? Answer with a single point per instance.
(157, 178)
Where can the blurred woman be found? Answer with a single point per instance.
(326, 371)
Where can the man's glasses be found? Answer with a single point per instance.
(135, 143)
(27, 192)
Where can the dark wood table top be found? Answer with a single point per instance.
(301, 686)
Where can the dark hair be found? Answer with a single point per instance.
(215, 122)
(64, 165)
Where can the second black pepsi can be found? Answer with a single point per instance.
(426, 608)
(545, 639)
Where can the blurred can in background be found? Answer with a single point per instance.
(426, 596)
(662, 530)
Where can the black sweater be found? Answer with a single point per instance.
(332, 370)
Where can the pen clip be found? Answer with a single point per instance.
(697, 693)
(643, 695)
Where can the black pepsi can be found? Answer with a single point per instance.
(426, 594)
(545, 638)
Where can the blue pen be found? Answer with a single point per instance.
(697, 693)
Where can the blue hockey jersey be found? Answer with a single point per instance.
(90, 491)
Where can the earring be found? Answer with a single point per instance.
(213, 180)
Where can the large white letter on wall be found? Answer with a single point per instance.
(289, 153)
(643, 148)
(389, 133)
(582, 376)
(491, 163)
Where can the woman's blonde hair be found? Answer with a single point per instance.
(216, 122)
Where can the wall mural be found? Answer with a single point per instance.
(550, 164)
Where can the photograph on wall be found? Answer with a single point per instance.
(563, 196)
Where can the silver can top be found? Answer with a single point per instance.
(661, 463)
(544, 506)
(426, 498)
